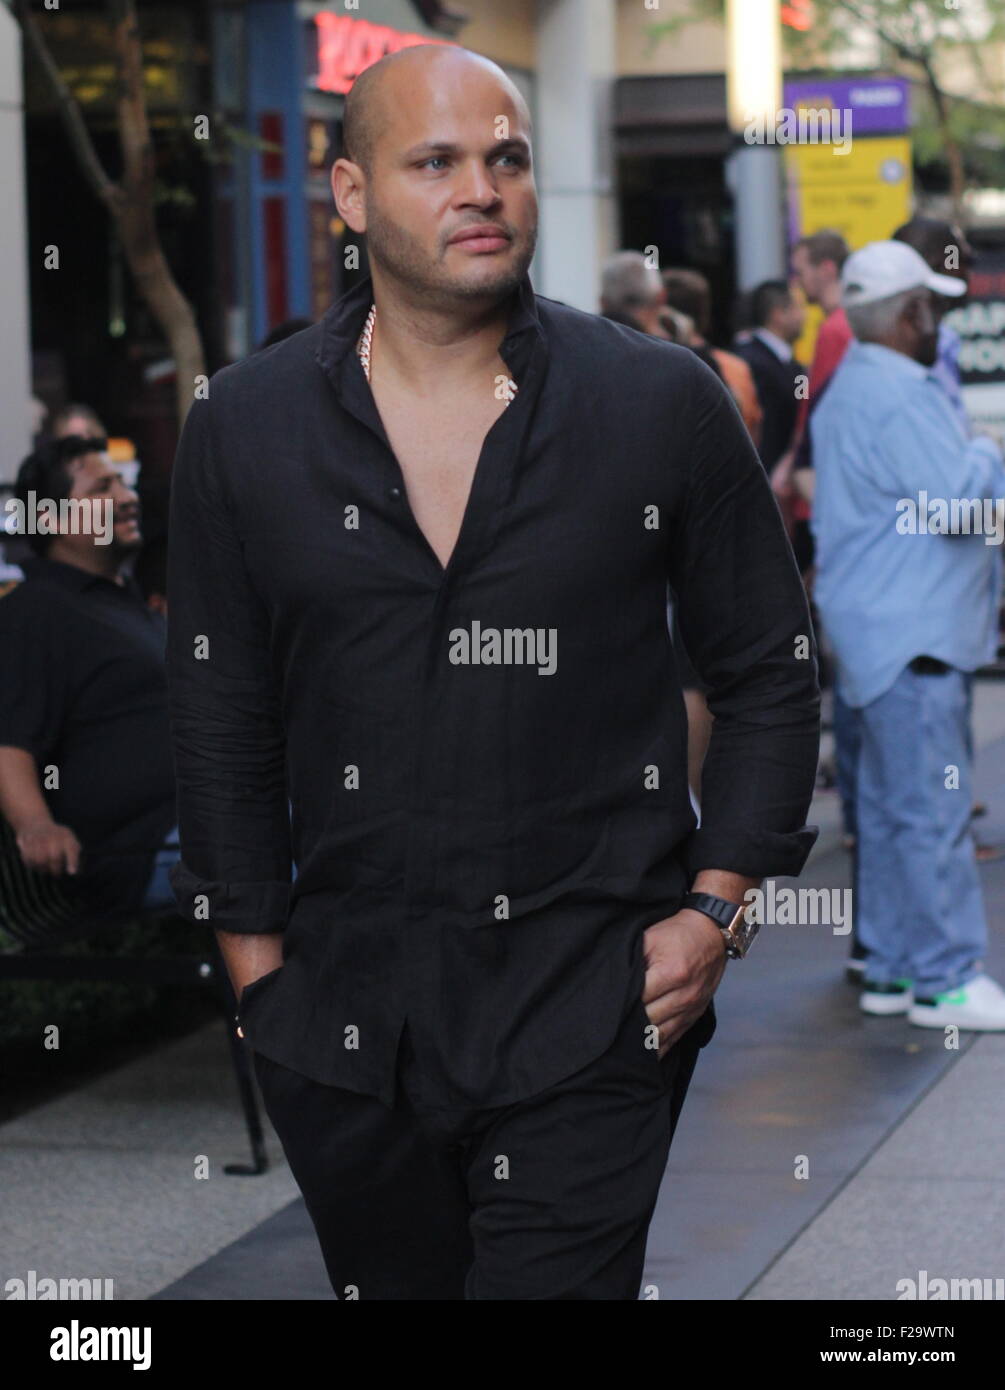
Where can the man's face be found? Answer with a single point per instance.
(450, 207)
(924, 320)
(650, 313)
(810, 278)
(790, 319)
(94, 478)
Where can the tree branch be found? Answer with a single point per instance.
(69, 112)
(899, 46)
(131, 106)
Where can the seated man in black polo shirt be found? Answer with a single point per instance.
(86, 773)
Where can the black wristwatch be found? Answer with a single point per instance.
(730, 918)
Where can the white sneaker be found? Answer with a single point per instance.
(886, 999)
(978, 1005)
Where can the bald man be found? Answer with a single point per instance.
(418, 573)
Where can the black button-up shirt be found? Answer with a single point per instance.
(83, 689)
(485, 764)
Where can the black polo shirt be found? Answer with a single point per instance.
(83, 688)
(487, 764)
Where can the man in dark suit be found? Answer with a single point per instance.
(777, 321)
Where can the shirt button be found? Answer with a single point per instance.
(395, 493)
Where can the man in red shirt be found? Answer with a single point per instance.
(817, 262)
(816, 266)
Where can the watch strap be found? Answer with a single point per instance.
(719, 909)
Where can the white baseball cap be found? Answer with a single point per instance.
(884, 268)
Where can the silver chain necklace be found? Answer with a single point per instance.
(365, 344)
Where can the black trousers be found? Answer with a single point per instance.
(547, 1198)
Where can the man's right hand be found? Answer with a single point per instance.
(47, 847)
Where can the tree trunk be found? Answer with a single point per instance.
(923, 57)
(130, 202)
(134, 213)
(954, 155)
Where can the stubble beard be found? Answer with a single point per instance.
(401, 257)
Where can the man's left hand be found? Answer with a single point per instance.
(685, 957)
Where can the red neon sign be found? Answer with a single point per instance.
(346, 47)
(797, 14)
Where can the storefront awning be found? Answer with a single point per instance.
(679, 115)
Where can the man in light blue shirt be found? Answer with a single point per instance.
(909, 518)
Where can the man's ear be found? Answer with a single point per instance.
(348, 190)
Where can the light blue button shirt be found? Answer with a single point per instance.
(888, 443)
(947, 370)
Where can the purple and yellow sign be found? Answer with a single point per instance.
(879, 105)
(860, 187)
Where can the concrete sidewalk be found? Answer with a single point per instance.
(899, 1138)
(823, 1154)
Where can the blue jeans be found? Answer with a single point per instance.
(920, 910)
(846, 747)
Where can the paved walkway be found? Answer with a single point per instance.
(899, 1139)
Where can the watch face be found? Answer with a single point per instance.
(749, 931)
(742, 932)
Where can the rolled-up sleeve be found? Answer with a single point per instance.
(746, 624)
(226, 720)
